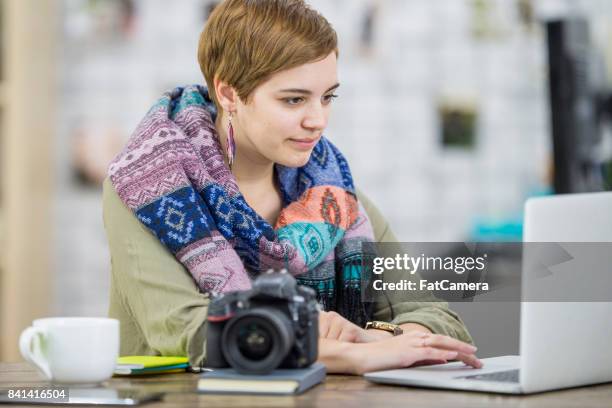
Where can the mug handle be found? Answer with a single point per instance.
(32, 336)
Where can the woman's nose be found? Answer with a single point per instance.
(316, 117)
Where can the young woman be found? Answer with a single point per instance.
(220, 183)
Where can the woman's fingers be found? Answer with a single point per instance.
(429, 362)
(408, 350)
(428, 342)
(470, 359)
(445, 342)
(348, 333)
(336, 326)
(432, 353)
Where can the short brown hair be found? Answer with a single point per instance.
(244, 42)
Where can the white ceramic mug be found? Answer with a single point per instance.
(72, 349)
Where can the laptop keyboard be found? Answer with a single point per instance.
(511, 376)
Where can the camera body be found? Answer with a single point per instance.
(274, 324)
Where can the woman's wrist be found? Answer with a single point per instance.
(408, 327)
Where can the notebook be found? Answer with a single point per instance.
(138, 365)
(285, 381)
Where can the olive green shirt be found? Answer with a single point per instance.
(162, 312)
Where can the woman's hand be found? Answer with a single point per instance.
(379, 350)
(335, 327)
(406, 350)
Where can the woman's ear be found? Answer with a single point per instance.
(226, 95)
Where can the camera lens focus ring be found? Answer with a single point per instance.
(256, 341)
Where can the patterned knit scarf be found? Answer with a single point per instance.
(172, 175)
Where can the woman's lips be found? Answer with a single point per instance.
(304, 144)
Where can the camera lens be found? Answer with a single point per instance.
(254, 341)
(257, 341)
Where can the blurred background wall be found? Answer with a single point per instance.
(443, 114)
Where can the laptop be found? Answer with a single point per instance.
(562, 344)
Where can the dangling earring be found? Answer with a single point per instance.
(231, 144)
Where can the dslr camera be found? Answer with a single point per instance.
(274, 324)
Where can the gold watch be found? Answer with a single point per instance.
(390, 327)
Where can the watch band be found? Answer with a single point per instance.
(390, 327)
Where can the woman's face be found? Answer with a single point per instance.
(286, 115)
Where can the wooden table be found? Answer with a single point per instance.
(338, 391)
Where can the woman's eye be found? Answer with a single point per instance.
(293, 101)
(329, 98)
(298, 99)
